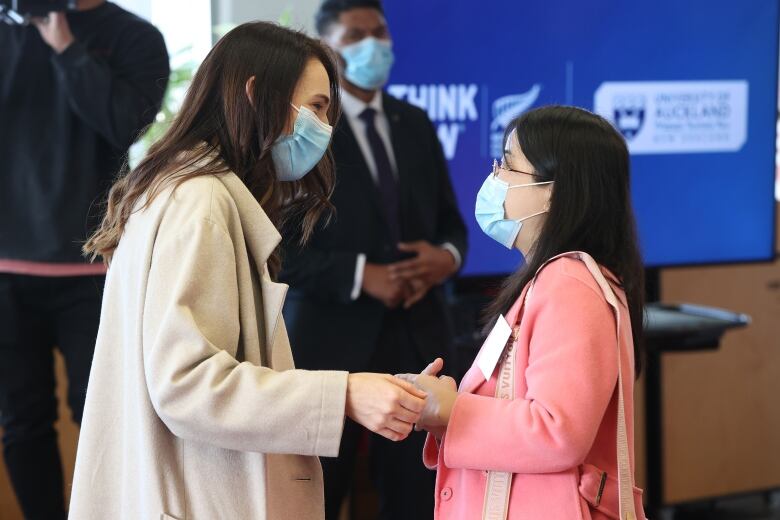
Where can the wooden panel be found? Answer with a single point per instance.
(68, 438)
(640, 461)
(721, 410)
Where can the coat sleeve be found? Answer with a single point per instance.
(431, 452)
(117, 100)
(571, 377)
(191, 332)
(325, 274)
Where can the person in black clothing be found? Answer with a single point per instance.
(76, 89)
(366, 293)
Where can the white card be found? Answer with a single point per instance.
(494, 345)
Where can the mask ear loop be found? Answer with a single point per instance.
(532, 216)
(530, 184)
(547, 204)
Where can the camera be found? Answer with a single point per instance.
(19, 12)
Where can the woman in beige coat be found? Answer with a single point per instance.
(194, 409)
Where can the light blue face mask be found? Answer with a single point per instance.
(489, 209)
(296, 154)
(368, 62)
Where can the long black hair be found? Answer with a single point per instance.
(590, 205)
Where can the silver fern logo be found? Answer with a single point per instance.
(505, 109)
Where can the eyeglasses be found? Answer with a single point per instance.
(497, 167)
(501, 166)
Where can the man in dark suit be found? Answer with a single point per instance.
(365, 294)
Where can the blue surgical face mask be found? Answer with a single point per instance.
(368, 62)
(296, 154)
(489, 210)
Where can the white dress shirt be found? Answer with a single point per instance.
(352, 108)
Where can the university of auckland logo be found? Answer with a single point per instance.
(628, 112)
(505, 109)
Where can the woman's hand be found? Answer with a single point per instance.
(384, 404)
(442, 392)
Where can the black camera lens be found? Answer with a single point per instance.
(20, 11)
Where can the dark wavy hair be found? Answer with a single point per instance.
(590, 205)
(219, 129)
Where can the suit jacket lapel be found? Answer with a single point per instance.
(356, 162)
(400, 151)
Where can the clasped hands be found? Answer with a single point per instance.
(408, 281)
(390, 406)
(441, 393)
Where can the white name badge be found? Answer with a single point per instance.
(494, 345)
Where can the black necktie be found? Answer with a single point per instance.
(388, 187)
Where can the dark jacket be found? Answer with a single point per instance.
(327, 329)
(66, 123)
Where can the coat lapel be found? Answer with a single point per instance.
(474, 378)
(606, 280)
(274, 295)
(262, 239)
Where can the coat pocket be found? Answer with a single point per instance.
(293, 486)
(600, 491)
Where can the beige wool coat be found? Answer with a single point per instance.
(194, 410)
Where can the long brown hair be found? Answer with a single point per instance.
(590, 205)
(219, 129)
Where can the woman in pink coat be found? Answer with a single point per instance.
(542, 425)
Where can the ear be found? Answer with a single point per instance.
(332, 36)
(249, 88)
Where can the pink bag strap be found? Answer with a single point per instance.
(499, 483)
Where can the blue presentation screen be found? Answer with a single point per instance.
(692, 85)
